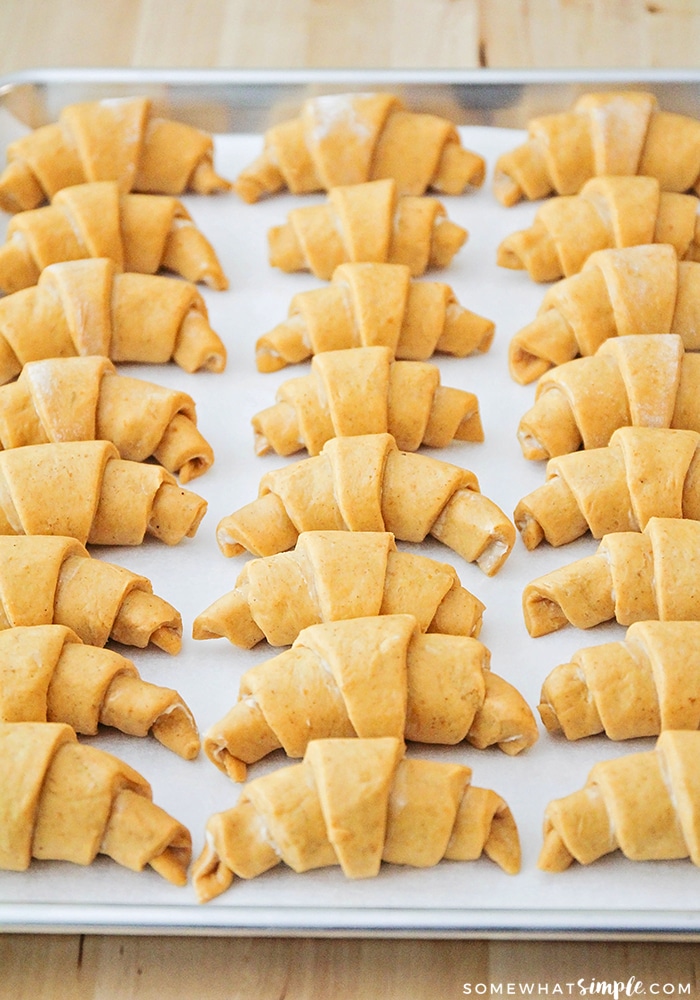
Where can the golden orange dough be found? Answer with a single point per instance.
(334, 575)
(639, 290)
(363, 390)
(617, 133)
(607, 213)
(85, 398)
(638, 686)
(137, 232)
(47, 674)
(85, 308)
(61, 800)
(369, 677)
(51, 579)
(356, 803)
(368, 305)
(644, 380)
(366, 223)
(645, 805)
(120, 140)
(633, 576)
(352, 138)
(365, 483)
(644, 472)
(83, 489)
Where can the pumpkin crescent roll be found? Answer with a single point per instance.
(84, 308)
(61, 800)
(616, 132)
(47, 674)
(51, 579)
(138, 232)
(644, 380)
(83, 489)
(633, 576)
(608, 212)
(644, 472)
(119, 140)
(639, 686)
(368, 305)
(646, 805)
(367, 223)
(83, 399)
(639, 290)
(364, 391)
(334, 575)
(365, 483)
(366, 677)
(356, 803)
(352, 138)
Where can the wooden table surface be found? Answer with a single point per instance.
(333, 33)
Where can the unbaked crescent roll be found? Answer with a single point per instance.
(84, 308)
(365, 483)
(363, 390)
(633, 576)
(368, 677)
(85, 399)
(334, 575)
(639, 290)
(356, 803)
(51, 579)
(638, 686)
(644, 472)
(120, 140)
(367, 305)
(352, 138)
(645, 805)
(47, 674)
(367, 223)
(138, 232)
(61, 800)
(608, 212)
(644, 380)
(616, 132)
(85, 490)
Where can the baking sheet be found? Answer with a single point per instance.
(613, 896)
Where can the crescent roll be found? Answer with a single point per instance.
(51, 579)
(334, 575)
(84, 399)
(367, 223)
(645, 805)
(614, 132)
(365, 483)
(644, 380)
(638, 290)
(120, 140)
(138, 232)
(352, 138)
(85, 308)
(47, 674)
(644, 472)
(633, 576)
(368, 677)
(61, 800)
(608, 212)
(356, 803)
(638, 686)
(364, 390)
(368, 305)
(94, 496)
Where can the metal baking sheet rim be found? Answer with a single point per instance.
(221, 86)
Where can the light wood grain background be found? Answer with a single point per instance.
(310, 34)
